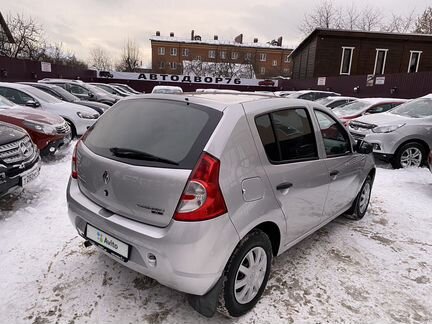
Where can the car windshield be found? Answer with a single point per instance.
(419, 108)
(352, 109)
(4, 103)
(167, 90)
(97, 90)
(324, 101)
(43, 96)
(65, 94)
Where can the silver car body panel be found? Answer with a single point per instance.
(192, 255)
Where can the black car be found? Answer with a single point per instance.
(83, 91)
(19, 158)
(62, 94)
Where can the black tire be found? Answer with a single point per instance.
(72, 127)
(397, 163)
(228, 304)
(358, 210)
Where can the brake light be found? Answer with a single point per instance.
(75, 162)
(202, 197)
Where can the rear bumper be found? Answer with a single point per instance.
(190, 256)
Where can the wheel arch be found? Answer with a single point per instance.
(272, 230)
(414, 140)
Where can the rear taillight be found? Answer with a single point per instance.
(75, 162)
(202, 197)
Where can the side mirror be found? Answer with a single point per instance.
(32, 103)
(363, 147)
(91, 94)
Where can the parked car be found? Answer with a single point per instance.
(333, 102)
(111, 89)
(167, 89)
(84, 91)
(127, 88)
(430, 160)
(19, 158)
(366, 107)
(62, 94)
(48, 131)
(402, 136)
(311, 95)
(284, 93)
(79, 118)
(231, 180)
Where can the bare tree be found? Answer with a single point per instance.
(28, 36)
(351, 17)
(400, 24)
(371, 19)
(325, 15)
(423, 24)
(130, 59)
(99, 59)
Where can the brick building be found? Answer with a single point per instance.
(328, 52)
(194, 55)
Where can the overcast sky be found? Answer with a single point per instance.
(83, 24)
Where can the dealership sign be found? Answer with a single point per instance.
(186, 79)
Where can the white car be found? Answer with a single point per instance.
(311, 95)
(79, 117)
(333, 102)
(167, 89)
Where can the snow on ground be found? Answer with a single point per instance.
(377, 270)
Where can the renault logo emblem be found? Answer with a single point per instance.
(106, 177)
(23, 148)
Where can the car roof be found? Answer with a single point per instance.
(338, 98)
(218, 101)
(380, 100)
(319, 91)
(16, 85)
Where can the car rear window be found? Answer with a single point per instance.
(170, 130)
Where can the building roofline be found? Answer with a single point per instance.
(171, 39)
(361, 34)
(6, 29)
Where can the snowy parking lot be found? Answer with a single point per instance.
(377, 270)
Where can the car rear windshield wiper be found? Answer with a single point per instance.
(138, 155)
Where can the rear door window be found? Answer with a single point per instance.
(15, 96)
(287, 135)
(162, 133)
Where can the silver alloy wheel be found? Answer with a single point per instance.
(250, 275)
(411, 157)
(364, 197)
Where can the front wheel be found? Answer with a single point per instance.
(246, 274)
(361, 203)
(409, 155)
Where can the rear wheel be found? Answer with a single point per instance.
(246, 274)
(409, 155)
(361, 203)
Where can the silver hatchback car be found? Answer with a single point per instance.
(201, 191)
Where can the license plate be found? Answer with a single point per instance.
(30, 176)
(108, 243)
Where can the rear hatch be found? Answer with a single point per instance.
(138, 157)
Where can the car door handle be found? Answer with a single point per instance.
(334, 173)
(284, 186)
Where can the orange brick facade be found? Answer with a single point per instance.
(267, 61)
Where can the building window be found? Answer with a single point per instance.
(173, 65)
(223, 55)
(185, 51)
(414, 61)
(274, 63)
(263, 57)
(161, 50)
(380, 61)
(234, 55)
(173, 51)
(346, 62)
(212, 54)
(287, 59)
(162, 65)
(262, 70)
(248, 57)
(198, 58)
